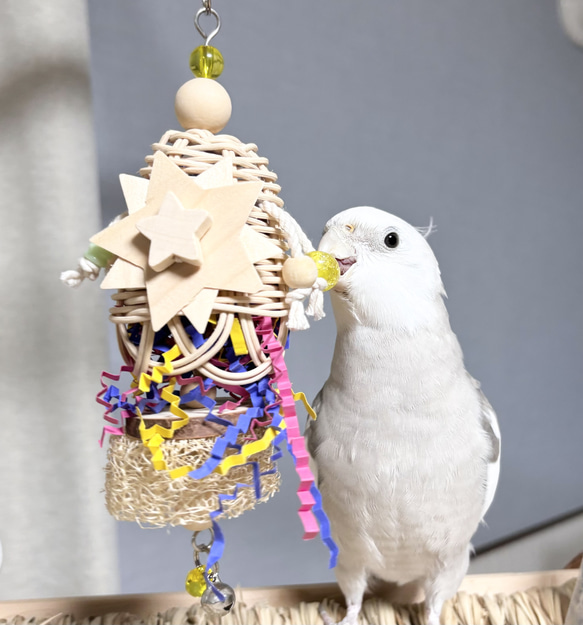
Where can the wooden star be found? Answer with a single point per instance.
(125, 275)
(175, 234)
(229, 248)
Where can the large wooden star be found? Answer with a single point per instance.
(229, 248)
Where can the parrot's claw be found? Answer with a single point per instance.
(326, 618)
(351, 617)
(432, 617)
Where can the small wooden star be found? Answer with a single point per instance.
(175, 234)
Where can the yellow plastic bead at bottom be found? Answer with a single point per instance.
(327, 268)
(195, 582)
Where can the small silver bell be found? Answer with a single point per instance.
(212, 604)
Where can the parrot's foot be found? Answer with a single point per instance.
(432, 617)
(351, 617)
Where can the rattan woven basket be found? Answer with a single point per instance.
(134, 490)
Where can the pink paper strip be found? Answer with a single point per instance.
(271, 346)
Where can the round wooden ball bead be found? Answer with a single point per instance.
(300, 272)
(212, 393)
(204, 104)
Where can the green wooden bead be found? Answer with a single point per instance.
(206, 62)
(98, 255)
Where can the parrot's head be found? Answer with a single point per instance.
(389, 274)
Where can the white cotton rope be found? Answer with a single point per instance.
(85, 270)
(299, 244)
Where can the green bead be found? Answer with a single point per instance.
(98, 256)
(327, 268)
(206, 62)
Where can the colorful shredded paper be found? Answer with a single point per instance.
(272, 407)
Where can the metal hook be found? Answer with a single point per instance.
(207, 10)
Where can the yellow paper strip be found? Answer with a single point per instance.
(238, 340)
(158, 372)
(304, 399)
(248, 450)
(154, 436)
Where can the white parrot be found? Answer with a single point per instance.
(406, 446)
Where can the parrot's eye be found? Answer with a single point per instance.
(392, 240)
(349, 228)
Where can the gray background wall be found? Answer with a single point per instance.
(468, 112)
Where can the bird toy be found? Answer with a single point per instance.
(210, 275)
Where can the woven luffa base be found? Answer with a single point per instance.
(135, 491)
(538, 606)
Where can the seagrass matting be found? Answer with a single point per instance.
(538, 605)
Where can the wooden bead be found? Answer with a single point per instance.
(300, 272)
(204, 104)
(212, 394)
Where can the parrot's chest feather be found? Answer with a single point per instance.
(396, 443)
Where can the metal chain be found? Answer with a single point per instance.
(200, 548)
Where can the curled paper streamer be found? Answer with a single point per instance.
(272, 407)
(218, 546)
(228, 439)
(158, 372)
(295, 439)
(104, 395)
(262, 395)
(325, 529)
(249, 449)
(154, 436)
(112, 392)
(302, 397)
(215, 554)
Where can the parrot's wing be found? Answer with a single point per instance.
(491, 429)
(311, 435)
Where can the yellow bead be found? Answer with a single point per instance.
(327, 268)
(206, 62)
(195, 582)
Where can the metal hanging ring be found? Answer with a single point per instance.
(207, 6)
(202, 547)
(209, 11)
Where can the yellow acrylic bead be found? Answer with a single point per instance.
(327, 268)
(195, 582)
(206, 62)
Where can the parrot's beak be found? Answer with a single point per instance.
(334, 243)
